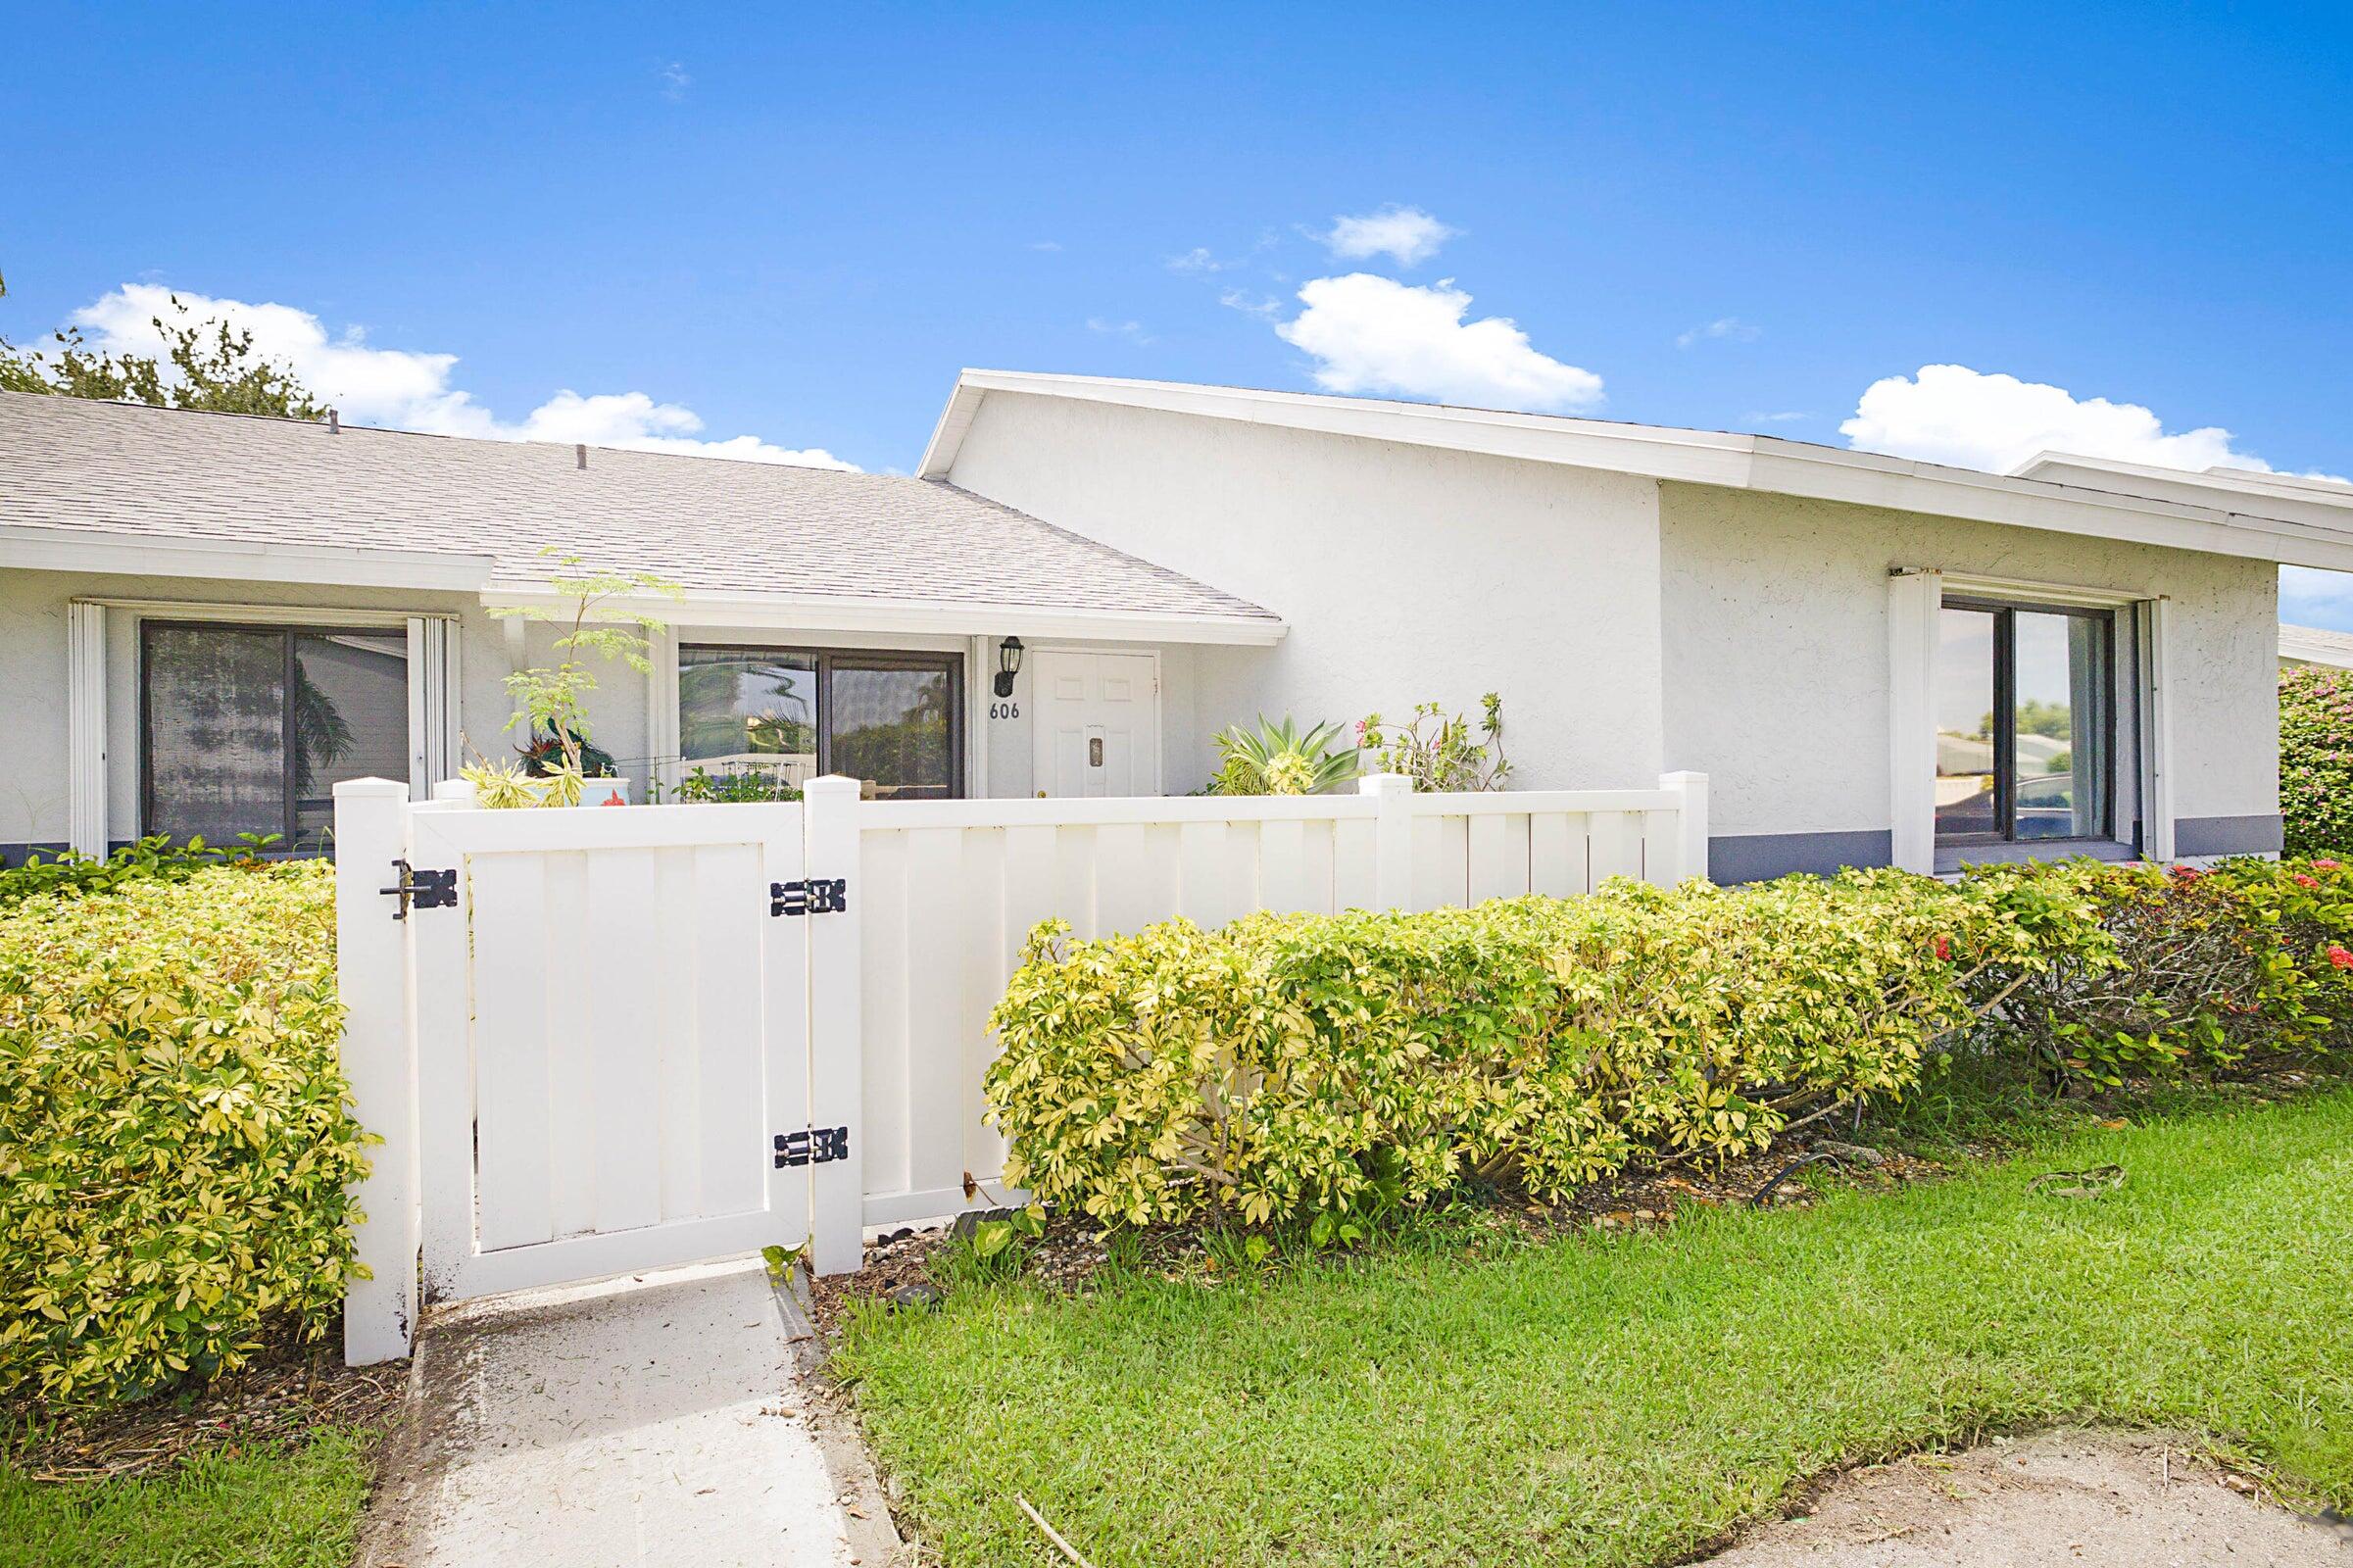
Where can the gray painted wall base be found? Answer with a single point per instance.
(1761, 857)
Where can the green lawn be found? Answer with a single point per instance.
(261, 1507)
(1620, 1401)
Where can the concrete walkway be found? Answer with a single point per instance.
(663, 1419)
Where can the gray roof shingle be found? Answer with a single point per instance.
(711, 525)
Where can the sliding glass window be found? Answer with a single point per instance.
(248, 730)
(895, 720)
(2025, 724)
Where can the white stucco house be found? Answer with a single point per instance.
(206, 620)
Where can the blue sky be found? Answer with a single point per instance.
(799, 224)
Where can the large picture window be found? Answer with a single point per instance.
(248, 730)
(2026, 728)
(895, 720)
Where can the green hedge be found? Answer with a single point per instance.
(174, 1132)
(153, 858)
(2316, 759)
(1296, 1066)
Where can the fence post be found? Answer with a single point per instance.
(1690, 823)
(836, 1028)
(380, 1059)
(1393, 837)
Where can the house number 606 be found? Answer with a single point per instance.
(1004, 710)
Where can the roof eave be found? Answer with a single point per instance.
(31, 547)
(829, 612)
(1764, 463)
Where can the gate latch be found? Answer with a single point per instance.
(422, 889)
(816, 896)
(817, 1145)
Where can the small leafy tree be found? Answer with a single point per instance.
(205, 365)
(553, 700)
(1438, 751)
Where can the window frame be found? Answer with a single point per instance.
(286, 631)
(2005, 613)
(827, 659)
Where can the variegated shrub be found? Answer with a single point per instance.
(175, 1135)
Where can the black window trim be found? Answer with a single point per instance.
(286, 631)
(2005, 722)
(826, 658)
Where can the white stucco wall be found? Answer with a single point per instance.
(1406, 575)
(1776, 626)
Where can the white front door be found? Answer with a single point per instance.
(1098, 723)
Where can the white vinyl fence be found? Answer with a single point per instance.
(597, 1041)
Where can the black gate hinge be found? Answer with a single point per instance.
(817, 1145)
(816, 896)
(422, 889)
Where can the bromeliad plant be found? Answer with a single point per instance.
(1440, 752)
(1280, 758)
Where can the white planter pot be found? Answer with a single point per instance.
(605, 791)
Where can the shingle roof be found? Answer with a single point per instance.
(711, 525)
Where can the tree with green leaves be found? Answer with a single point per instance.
(207, 364)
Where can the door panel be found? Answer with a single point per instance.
(1098, 724)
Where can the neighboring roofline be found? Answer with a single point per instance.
(832, 612)
(31, 547)
(1770, 464)
(2283, 497)
(2317, 645)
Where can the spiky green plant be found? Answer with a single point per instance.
(1280, 758)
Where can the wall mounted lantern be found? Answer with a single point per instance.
(1009, 664)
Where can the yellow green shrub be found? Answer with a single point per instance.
(175, 1134)
(1298, 1065)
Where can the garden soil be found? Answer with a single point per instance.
(2057, 1500)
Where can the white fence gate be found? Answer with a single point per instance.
(598, 1040)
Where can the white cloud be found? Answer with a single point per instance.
(1045, 244)
(675, 82)
(1407, 233)
(1263, 306)
(1952, 414)
(408, 391)
(1196, 259)
(2310, 597)
(1726, 328)
(1133, 331)
(1781, 416)
(1374, 334)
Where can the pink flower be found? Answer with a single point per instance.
(2303, 881)
(2325, 865)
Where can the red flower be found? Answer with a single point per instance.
(2188, 873)
(2339, 957)
(1943, 946)
(2303, 881)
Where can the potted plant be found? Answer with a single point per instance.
(551, 701)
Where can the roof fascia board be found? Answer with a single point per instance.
(2249, 500)
(1763, 464)
(812, 613)
(31, 548)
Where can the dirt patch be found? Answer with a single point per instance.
(2082, 1499)
(286, 1393)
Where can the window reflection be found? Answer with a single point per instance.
(1965, 767)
